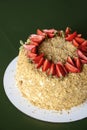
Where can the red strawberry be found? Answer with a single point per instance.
(60, 71)
(75, 43)
(79, 35)
(85, 53)
(34, 43)
(28, 46)
(78, 63)
(50, 35)
(84, 61)
(39, 32)
(33, 50)
(69, 59)
(40, 62)
(79, 40)
(83, 46)
(71, 36)
(81, 55)
(84, 43)
(37, 38)
(31, 55)
(50, 32)
(51, 70)
(63, 67)
(67, 31)
(37, 58)
(71, 68)
(46, 65)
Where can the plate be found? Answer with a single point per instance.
(15, 96)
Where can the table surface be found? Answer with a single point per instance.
(17, 21)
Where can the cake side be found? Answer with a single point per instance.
(50, 92)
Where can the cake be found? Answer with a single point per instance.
(52, 69)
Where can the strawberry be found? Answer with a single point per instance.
(60, 71)
(34, 43)
(39, 32)
(71, 36)
(75, 43)
(79, 40)
(84, 43)
(37, 38)
(46, 65)
(28, 46)
(84, 61)
(79, 35)
(78, 63)
(34, 50)
(81, 55)
(31, 55)
(51, 70)
(40, 62)
(83, 46)
(69, 59)
(63, 67)
(50, 33)
(71, 68)
(37, 58)
(67, 31)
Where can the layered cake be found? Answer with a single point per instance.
(52, 69)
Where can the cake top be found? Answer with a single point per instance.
(57, 52)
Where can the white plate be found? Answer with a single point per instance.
(14, 95)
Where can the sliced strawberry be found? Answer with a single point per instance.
(63, 67)
(60, 71)
(78, 63)
(75, 43)
(37, 58)
(79, 35)
(50, 33)
(46, 65)
(67, 31)
(71, 36)
(71, 68)
(83, 46)
(84, 43)
(84, 61)
(79, 40)
(28, 46)
(39, 32)
(40, 62)
(81, 55)
(85, 53)
(70, 60)
(34, 43)
(31, 55)
(37, 38)
(47, 31)
(52, 70)
(34, 50)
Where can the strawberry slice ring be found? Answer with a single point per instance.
(59, 69)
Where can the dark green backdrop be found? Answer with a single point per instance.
(17, 21)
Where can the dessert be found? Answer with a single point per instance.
(52, 69)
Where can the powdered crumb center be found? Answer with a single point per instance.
(57, 49)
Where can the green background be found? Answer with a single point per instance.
(17, 20)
